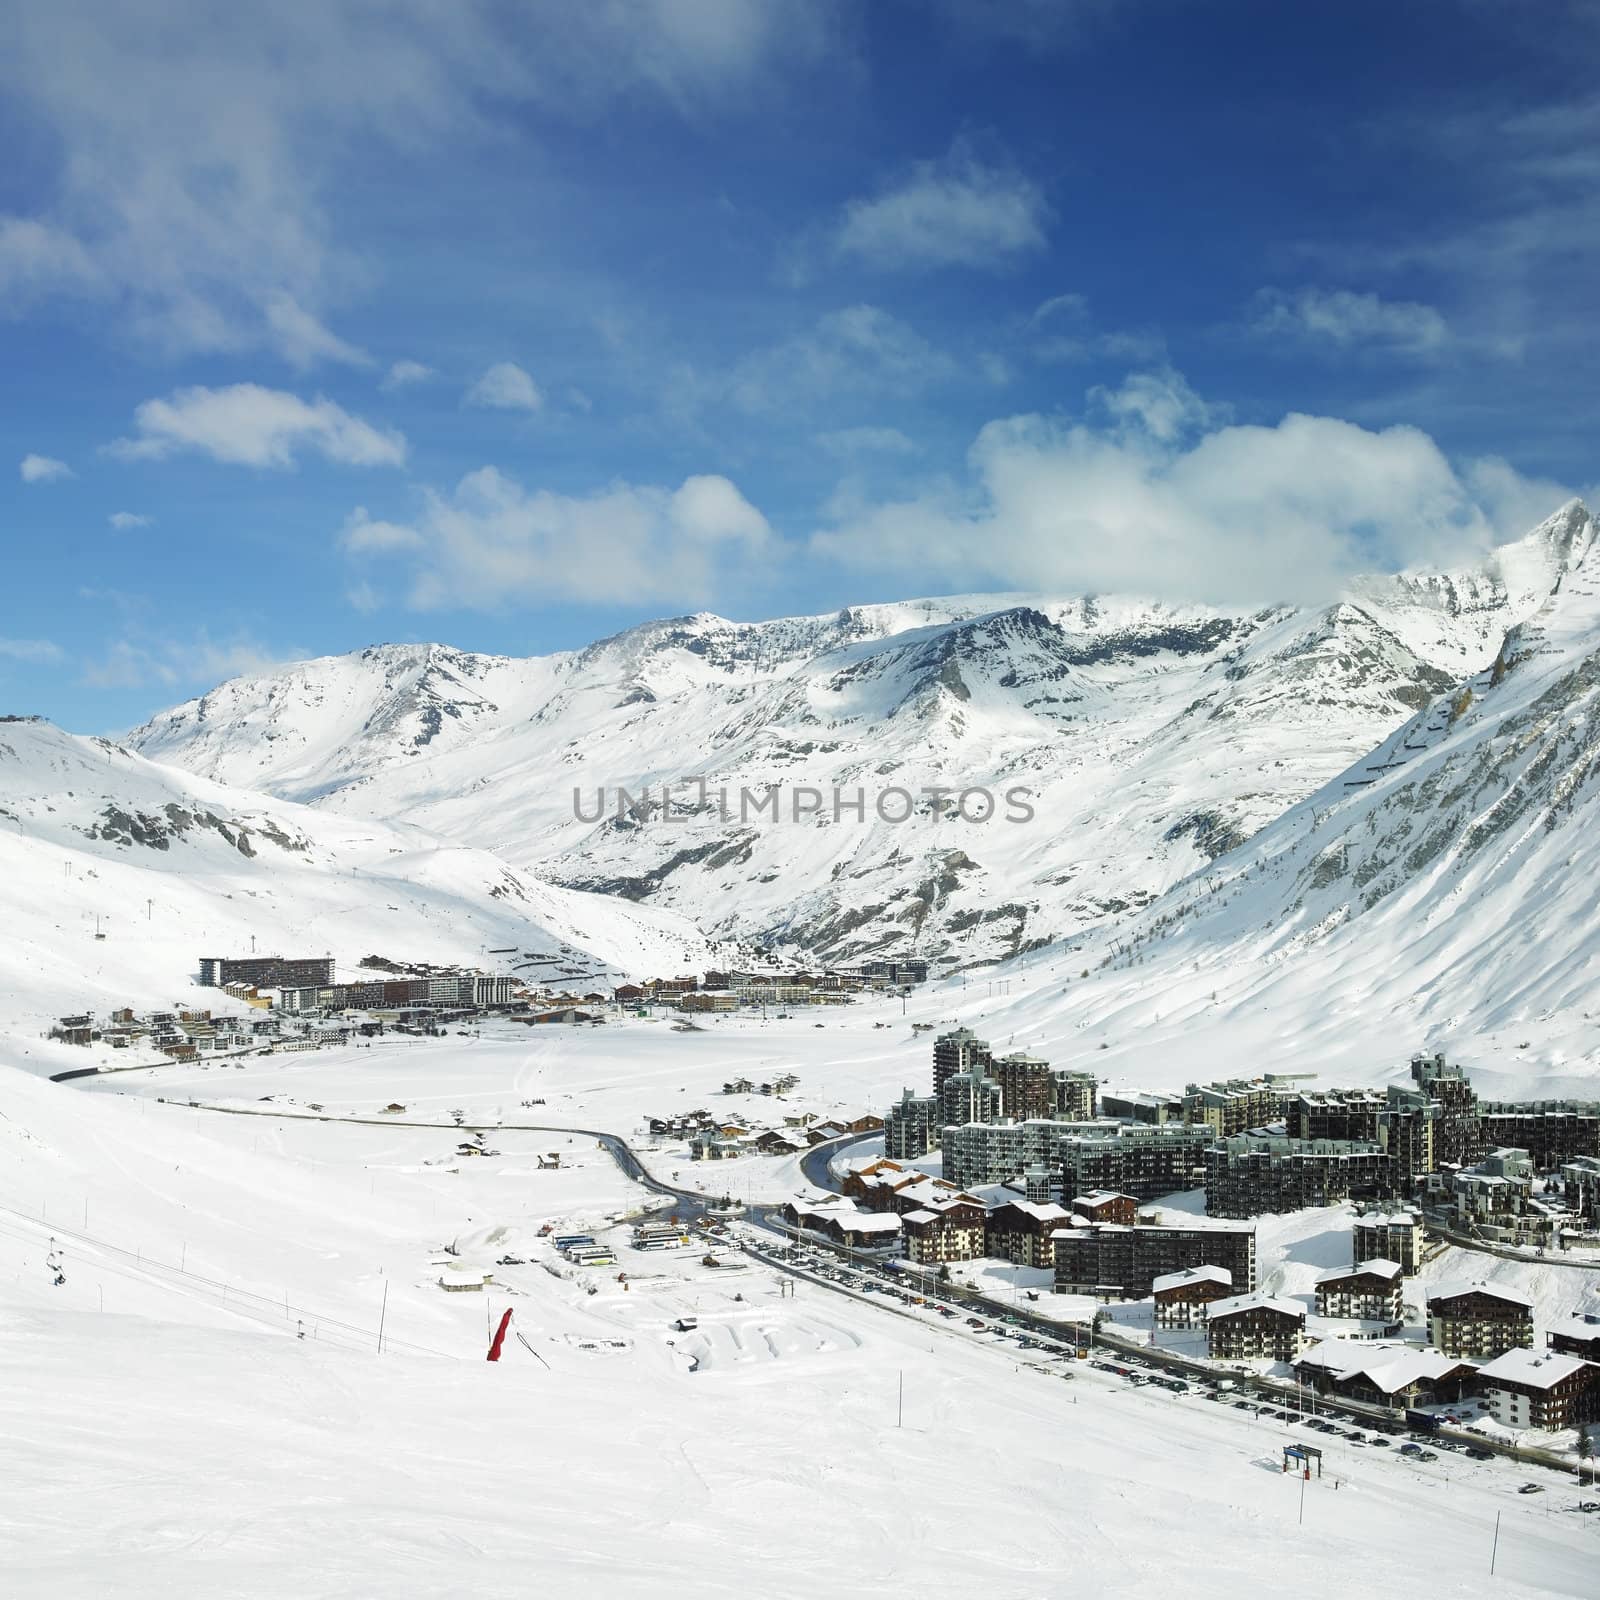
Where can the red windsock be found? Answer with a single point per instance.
(500, 1335)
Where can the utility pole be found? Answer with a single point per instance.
(900, 1402)
(383, 1314)
(1494, 1549)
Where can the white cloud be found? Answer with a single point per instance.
(37, 256)
(303, 341)
(1153, 495)
(1042, 26)
(1060, 330)
(1160, 404)
(957, 211)
(363, 597)
(197, 162)
(140, 661)
(247, 425)
(860, 350)
(867, 441)
(363, 533)
(37, 652)
(43, 469)
(491, 543)
(122, 521)
(404, 373)
(505, 387)
(1346, 320)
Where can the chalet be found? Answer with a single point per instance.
(711, 1144)
(858, 1230)
(1384, 1374)
(954, 1233)
(774, 1144)
(1183, 1299)
(1479, 1321)
(1541, 1389)
(1578, 1336)
(1106, 1205)
(1370, 1291)
(1255, 1327)
(1024, 1231)
(875, 1184)
(858, 1121)
(628, 994)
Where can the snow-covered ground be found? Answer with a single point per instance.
(183, 1440)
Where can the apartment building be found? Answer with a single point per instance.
(961, 1050)
(911, 1126)
(1182, 1299)
(1233, 1106)
(1370, 1291)
(1479, 1321)
(1541, 1389)
(1255, 1327)
(1254, 1173)
(1116, 1262)
(1390, 1236)
(1024, 1231)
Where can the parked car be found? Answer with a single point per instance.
(1531, 1488)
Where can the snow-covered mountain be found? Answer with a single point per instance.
(1152, 738)
(1439, 891)
(167, 867)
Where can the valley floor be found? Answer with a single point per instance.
(176, 1437)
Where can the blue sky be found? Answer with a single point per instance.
(514, 324)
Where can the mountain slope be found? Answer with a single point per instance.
(1439, 891)
(1151, 737)
(169, 867)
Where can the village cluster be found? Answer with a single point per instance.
(300, 1004)
(1067, 1187)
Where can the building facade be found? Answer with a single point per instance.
(1545, 1390)
(1115, 1262)
(1182, 1299)
(1389, 1236)
(1253, 1327)
(1368, 1292)
(1254, 1173)
(1477, 1322)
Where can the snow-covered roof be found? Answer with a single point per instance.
(868, 1221)
(1255, 1302)
(1387, 1367)
(1576, 1328)
(1040, 1210)
(1389, 1219)
(1537, 1369)
(920, 1217)
(1178, 1280)
(1377, 1267)
(1098, 1197)
(1450, 1291)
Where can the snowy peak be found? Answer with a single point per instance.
(1153, 737)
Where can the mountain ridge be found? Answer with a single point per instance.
(1154, 735)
